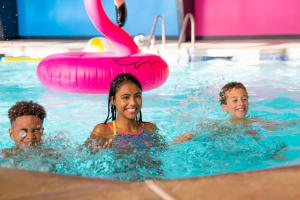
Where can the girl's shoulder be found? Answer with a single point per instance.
(103, 129)
(150, 127)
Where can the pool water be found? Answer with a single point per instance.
(188, 101)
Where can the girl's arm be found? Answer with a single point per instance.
(159, 139)
(101, 137)
(150, 127)
(184, 137)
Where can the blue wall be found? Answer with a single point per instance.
(67, 18)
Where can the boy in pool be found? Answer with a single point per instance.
(234, 100)
(124, 109)
(26, 119)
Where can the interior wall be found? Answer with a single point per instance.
(67, 18)
(247, 17)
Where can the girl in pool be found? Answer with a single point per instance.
(124, 109)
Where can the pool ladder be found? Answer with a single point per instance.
(183, 55)
(186, 55)
(187, 17)
(151, 39)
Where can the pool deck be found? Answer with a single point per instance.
(240, 49)
(273, 184)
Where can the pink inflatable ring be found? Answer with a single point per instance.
(87, 72)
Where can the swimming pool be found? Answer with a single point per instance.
(186, 102)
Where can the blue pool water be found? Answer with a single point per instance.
(188, 101)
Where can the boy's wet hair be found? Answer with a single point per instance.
(114, 87)
(23, 108)
(227, 87)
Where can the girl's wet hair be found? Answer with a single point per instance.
(114, 87)
(23, 108)
(227, 87)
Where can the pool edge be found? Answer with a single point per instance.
(279, 183)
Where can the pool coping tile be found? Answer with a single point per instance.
(273, 184)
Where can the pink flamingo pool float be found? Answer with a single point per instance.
(92, 72)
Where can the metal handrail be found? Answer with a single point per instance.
(187, 17)
(163, 30)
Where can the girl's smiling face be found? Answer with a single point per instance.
(236, 103)
(128, 100)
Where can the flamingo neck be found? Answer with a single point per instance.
(122, 42)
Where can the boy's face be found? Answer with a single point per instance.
(26, 131)
(236, 103)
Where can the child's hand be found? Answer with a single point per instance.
(183, 138)
(252, 132)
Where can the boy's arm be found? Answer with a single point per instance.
(289, 123)
(271, 125)
(277, 125)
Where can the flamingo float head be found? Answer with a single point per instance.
(122, 42)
